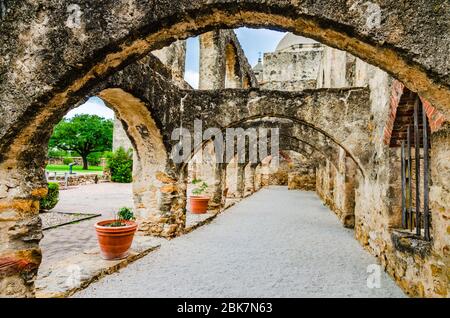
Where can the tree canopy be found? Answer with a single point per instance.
(83, 134)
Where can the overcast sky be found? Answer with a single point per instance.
(253, 41)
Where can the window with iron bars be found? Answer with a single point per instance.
(415, 179)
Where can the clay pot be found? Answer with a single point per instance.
(199, 204)
(115, 241)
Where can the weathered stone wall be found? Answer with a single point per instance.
(174, 57)
(292, 70)
(120, 138)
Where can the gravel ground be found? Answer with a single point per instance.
(276, 243)
(51, 219)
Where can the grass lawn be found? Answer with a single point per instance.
(65, 168)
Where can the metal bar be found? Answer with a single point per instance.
(410, 216)
(426, 209)
(417, 159)
(404, 214)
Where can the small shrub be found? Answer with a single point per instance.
(52, 197)
(94, 159)
(120, 165)
(200, 188)
(124, 214)
(67, 160)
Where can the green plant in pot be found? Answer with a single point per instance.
(199, 201)
(115, 236)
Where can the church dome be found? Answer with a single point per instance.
(290, 40)
(258, 67)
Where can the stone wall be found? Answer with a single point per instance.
(79, 179)
(77, 160)
(292, 70)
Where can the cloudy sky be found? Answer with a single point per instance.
(253, 41)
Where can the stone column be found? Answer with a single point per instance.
(250, 180)
(232, 78)
(258, 177)
(240, 180)
(212, 61)
(160, 200)
(440, 209)
(21, 229)
(217, 200)
(348, 209)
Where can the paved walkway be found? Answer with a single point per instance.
(276, 243)
(69, 240)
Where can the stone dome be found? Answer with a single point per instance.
(291, 39)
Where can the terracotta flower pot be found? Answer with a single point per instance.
(115, 241)
(199, 204)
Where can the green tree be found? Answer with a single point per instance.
(83, 134)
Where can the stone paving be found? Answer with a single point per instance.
(72, 239)
(276, 243)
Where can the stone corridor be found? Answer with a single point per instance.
(275, 243)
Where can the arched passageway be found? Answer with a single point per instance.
(39, 88)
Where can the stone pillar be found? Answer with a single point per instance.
(160, 199)
(212, 61)
(348, 208)
(258, 178)
(240, 180)
(217, 198)
(20, 229)
(440, 209)
(250, 180)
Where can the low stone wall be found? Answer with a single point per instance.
(79, 179)
(300, 181)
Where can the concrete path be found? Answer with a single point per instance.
(276, 243)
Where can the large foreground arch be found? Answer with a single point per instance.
(52, 53)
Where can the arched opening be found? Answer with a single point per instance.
(106, 62)
(81, 187)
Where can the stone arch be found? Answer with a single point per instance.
(340, 26)
(294, 133)
(340, 115)
(153, 186)
(146, 138)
